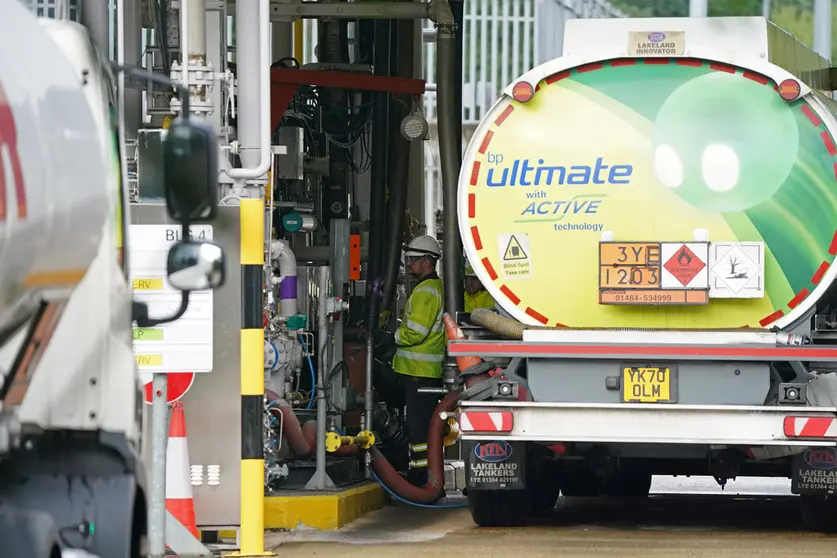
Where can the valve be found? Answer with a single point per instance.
(334, 441)
(334, 305)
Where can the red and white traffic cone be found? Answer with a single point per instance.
(179, 501)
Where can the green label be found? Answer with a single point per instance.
(148, 334)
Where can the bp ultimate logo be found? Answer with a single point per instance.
(537, 173)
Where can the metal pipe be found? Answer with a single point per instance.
(399, 166)
(320, 474)
(132, 45)
(378, 190)
(194, 17)
(368, 396)
(252, 32)
(698, 8)
(159, 442)
(822, 28)
(298, 41)
(95, 15)
(281, 252)
(447, 118)
(321, 255)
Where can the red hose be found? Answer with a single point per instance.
(435, 488)
(302, 439)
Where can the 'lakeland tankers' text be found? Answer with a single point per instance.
(523, 173)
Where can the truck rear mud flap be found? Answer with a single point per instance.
(752, 426)
(815, 471)
(495, 465)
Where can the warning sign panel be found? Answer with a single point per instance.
(515, 256)
(685, 265)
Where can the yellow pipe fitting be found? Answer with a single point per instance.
(333, 442)
(365, 439)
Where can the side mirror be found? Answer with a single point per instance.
(190, 159)
(196, 266)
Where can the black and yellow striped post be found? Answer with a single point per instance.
(252, 377)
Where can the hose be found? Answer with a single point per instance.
(495, 323)
(435, 488)
(416, 504)
(302, 439)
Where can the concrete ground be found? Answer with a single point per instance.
(684, 517)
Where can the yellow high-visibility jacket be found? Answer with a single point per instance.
(479, 300)
(421, 336)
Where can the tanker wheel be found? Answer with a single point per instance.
(819, 513)
(582, 484)
(499, 508)
(546, 478)
(629, 484)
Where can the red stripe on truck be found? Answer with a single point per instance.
(472, 206)
(490, 269)
(503, 115)
(508, 292)
(829, 143)
(485, 141)
(832, 249)
(809, 112)
(537, 315)
(477, 240)
(820, 273)
(456, 348)
(771, 318)
(623, 62)
(656, 61)
(800, 296)
(475, 173)
(557, 77)
(722, 68)
(756, 77)
(590, 67)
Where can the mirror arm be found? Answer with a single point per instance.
(143, 320)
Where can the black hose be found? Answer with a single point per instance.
(378, 193)
(402, 66)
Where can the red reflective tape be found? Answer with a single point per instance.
(689, 62)
(832, 249)
(513, 297)
(590, 67)
(503, 115)
(829, 143)
(490, 269)
(557, 77)
(485, 141)
(771, 318)
(744, 327)
(499, 348)
(537, 315)
(559, 325)
(820, 273)
(815, 427)
(472, 205)
(475, 174)
(835, 171)
(800, 296)
(722, 68)
(656, 61)
(809, 112)
(623, 62)
(475, 233)
(486, 421)
(756, 77)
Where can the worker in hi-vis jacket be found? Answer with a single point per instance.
(420, 349)
(475, 294)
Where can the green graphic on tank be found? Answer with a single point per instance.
(729, 145)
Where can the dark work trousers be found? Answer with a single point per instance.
(400, 390)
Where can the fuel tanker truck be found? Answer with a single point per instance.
(655, 215)
(70, 471)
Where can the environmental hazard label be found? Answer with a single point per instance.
(515, 256)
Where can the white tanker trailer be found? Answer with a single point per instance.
(655, 215)
(70, 472)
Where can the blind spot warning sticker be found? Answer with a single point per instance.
(515, 256)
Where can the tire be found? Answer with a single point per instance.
(545, 478)
(819, 513)
(582, 484)
(629, 484)
(499, 508)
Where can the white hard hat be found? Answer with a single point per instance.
(424, 245)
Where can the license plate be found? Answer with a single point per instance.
(814, 471)
(649, 384)
(495, 465)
